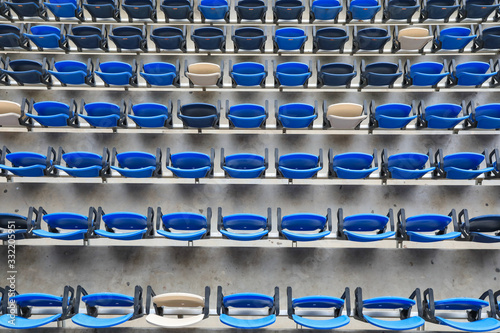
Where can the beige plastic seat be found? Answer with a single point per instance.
(10, 112)
(345, 115)
(204, 73)
(414, 38)
(177, 301)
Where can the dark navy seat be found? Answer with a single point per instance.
(481, 229)
(404, 165)
(335, 74)
(351, 165)
(22, 306)
(392, 115)
(73, 72)
(288, 10)
(304, 227)
(51, 113)
(191, 164)
(295, 115)
(183, 226)
(361, 227)
(199, 115)
(460, 165)
(438, 9)
(424, 73)
(19, 223)
(140, 9)
(362, 10)
(24, 71)
(471, 306)
(27, 164)
(363, 310)
(209, 38)
(151, 115)
(289, 39)
(88, 37)
(400, 10)
(214, 10)
(169, 38)
(370, 39)
(102, 9)
(251, 303)
(129, 38)
(298, 165)
(137, 164)
(117, 73)
(440, 116)
(251, 10)
(249, 38)
(477, 9)
(319, 303)
(83, 163)
(426, 228)
(161, 74)
(379, 74)
(324, 10)
(486, 116)
(454, 38)
(292, 74)
(472, 73)
(244, 227)
(91, 319)
(412, 38)
(66, 226)
(125, 225)
(177, 10)
(13, 36)
(101, 114)
(47, 36)
(488, 38)
(244, 165)
(65, 9)
(247, 115)
(26, 8)
(329, 39)
(248, 74)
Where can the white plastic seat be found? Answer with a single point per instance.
(177, 300)
(345, 115)
(414, 38)
(10, 112)
(204, 73)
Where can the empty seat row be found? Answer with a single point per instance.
(244, 310)
(337, 116)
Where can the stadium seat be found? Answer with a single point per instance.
(27, 164)
(329, 39)
(424, 73)
(472, 73)
(345, 116)
(175, 305)
(117, 73)
(184, 226)
(362, 10)
(351, 165)
(404, 165)
(370, 39)
(426, 228)
(295, 115)
(297, 306)
(137, 164)
(151, 115)
(462, 165)
(83, 163)
(12, 36)
(298, 165)
(244, 227)
(102, 9)
(291, 74)
(438, 9)
(248, 74)
(472, 307)
(251, 10)
(251, 303)
(487, 38)
(454, 38)
(335, 74)
(88, 37)
(289, 39)
(91, 319)
(19, 223)
(199, 115)
(102, 114)
(26, 8)
(129, 38)
(391, 115)
(247, 115)
(140, 9)
(208, 38)
(73, 72)
(47, 37)
(65, 226)
(304, 227)
(244, 165)
(477, 9)
(65, 9)
(400, 10)
(486, 116)
(24, 71)
(324, 10)
(249, 38)
(204, 74)
(51, 113)
(288, 10)
(22, 306)
(414, 38)
(10, 114)
(169, 38)
(214, 10)
(177, 10)
(191, 164)
(361, 227)
(125, 226)
(161, 73)
(363, 310)
(481, 229)
(440, 116)
(379, 74)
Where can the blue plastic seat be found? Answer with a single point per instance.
(83, 164)
(488, 38)
(183, 226)
(12, 36)
(137, 164)
(246, 115)
(100, 114)
(26, 71)
(67, 226)
(251, 10)
(73, 72)
(324, 10)
(296, 115)
(304, 227)
(27, 164)
(129, 38)
(244, 165)
(392, 115)
(125, 225)
(27, 8)
(352, 165)
(370, 39)
(248, 74)
(191, 164)
(298, 165)
(47, 36)
(424, 73)
(472, 73)
(250, 302)
(177, 10)
(361, 227)
(463, 165)
(151, 115)
(320, 303)
(291, 74)
(329, 39)
(249, 38)
(482, 229)
(289, 39)
(288, 10)
(88, 37)
(52, 114)
(117, 73)
(102, 9)
(244, 227)
(454, 38)
(441, 116)
(214, 10)
(379, 74)
(198, 115)
(336, 74)
(400, 10)
(17, 222)
(407, 165)
(362, 9)
(168, 38)
(427, 228)
(208, 38)
(478, 9)
(140, 9)
(486, 116)
(160, 74)
(438, 9)
(65, 9)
